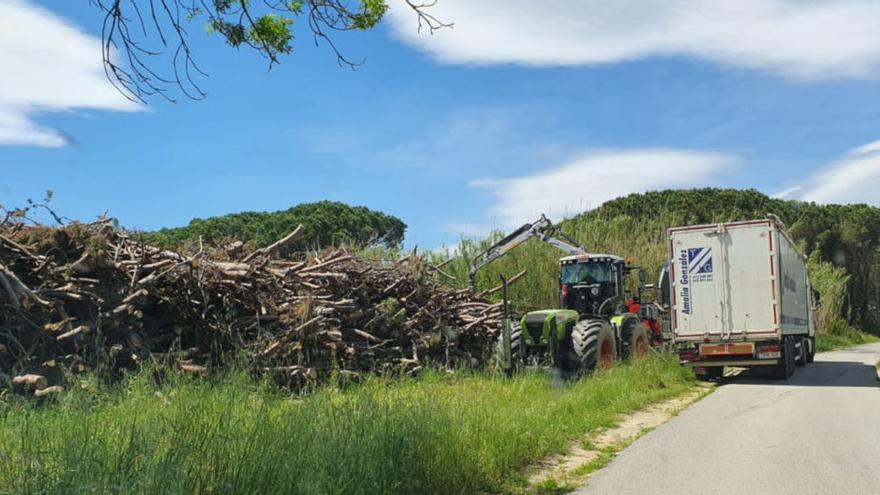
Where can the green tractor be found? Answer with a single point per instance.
(597, 323)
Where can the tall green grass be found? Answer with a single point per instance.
(834, 332)
(437, 434)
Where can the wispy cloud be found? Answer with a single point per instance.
(476, 138)
(787, 192)
(855, 178)
(470, 133)
(589, 180)
(48, 65)
(819, 39)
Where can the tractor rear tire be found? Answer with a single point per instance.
(517, 350)
(635, 341)
(593, 345)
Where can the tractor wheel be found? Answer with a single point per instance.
(593, 344)
(517, 357)
(811, 353)
(635, 341)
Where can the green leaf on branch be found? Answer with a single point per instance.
(272, 31)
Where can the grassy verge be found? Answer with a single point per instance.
(438, 434)
(841, 337)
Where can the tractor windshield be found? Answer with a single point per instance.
(590, 272)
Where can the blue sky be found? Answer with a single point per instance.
(511, 113)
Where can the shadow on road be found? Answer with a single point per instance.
(816, 374)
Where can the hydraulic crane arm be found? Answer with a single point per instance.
(542, 229)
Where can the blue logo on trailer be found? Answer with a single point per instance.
(699, 261)
(696, 266)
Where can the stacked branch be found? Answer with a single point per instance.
(77, 296)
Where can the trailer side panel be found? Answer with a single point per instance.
(794, 314)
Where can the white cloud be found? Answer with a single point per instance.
(589, 180)
(48, 65)
(855, 178)
(817, 39)
(16, 128)
(866, 149)
(490, 138)
(787, 192)
(469, 134)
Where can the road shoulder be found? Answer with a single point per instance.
(565, 473)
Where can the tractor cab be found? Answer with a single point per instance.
(592, 284)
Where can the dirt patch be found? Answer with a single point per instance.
(586, 454)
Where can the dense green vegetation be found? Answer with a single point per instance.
(835, 331)
(441, 434)
(326, 223)
(842, 242)
(843, 336)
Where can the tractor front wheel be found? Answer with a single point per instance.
(593, 345)
(635, 341)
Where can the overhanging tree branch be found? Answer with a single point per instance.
(133, 58)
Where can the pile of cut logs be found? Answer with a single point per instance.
(77, 297)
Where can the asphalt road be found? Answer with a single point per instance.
(816, 433)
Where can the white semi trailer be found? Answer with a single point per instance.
(740, 296)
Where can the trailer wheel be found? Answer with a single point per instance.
(811, 353)
(517, 356)
(785, 368)
(710, 374)
(635, 340)
(593, 344)
(801, 352)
